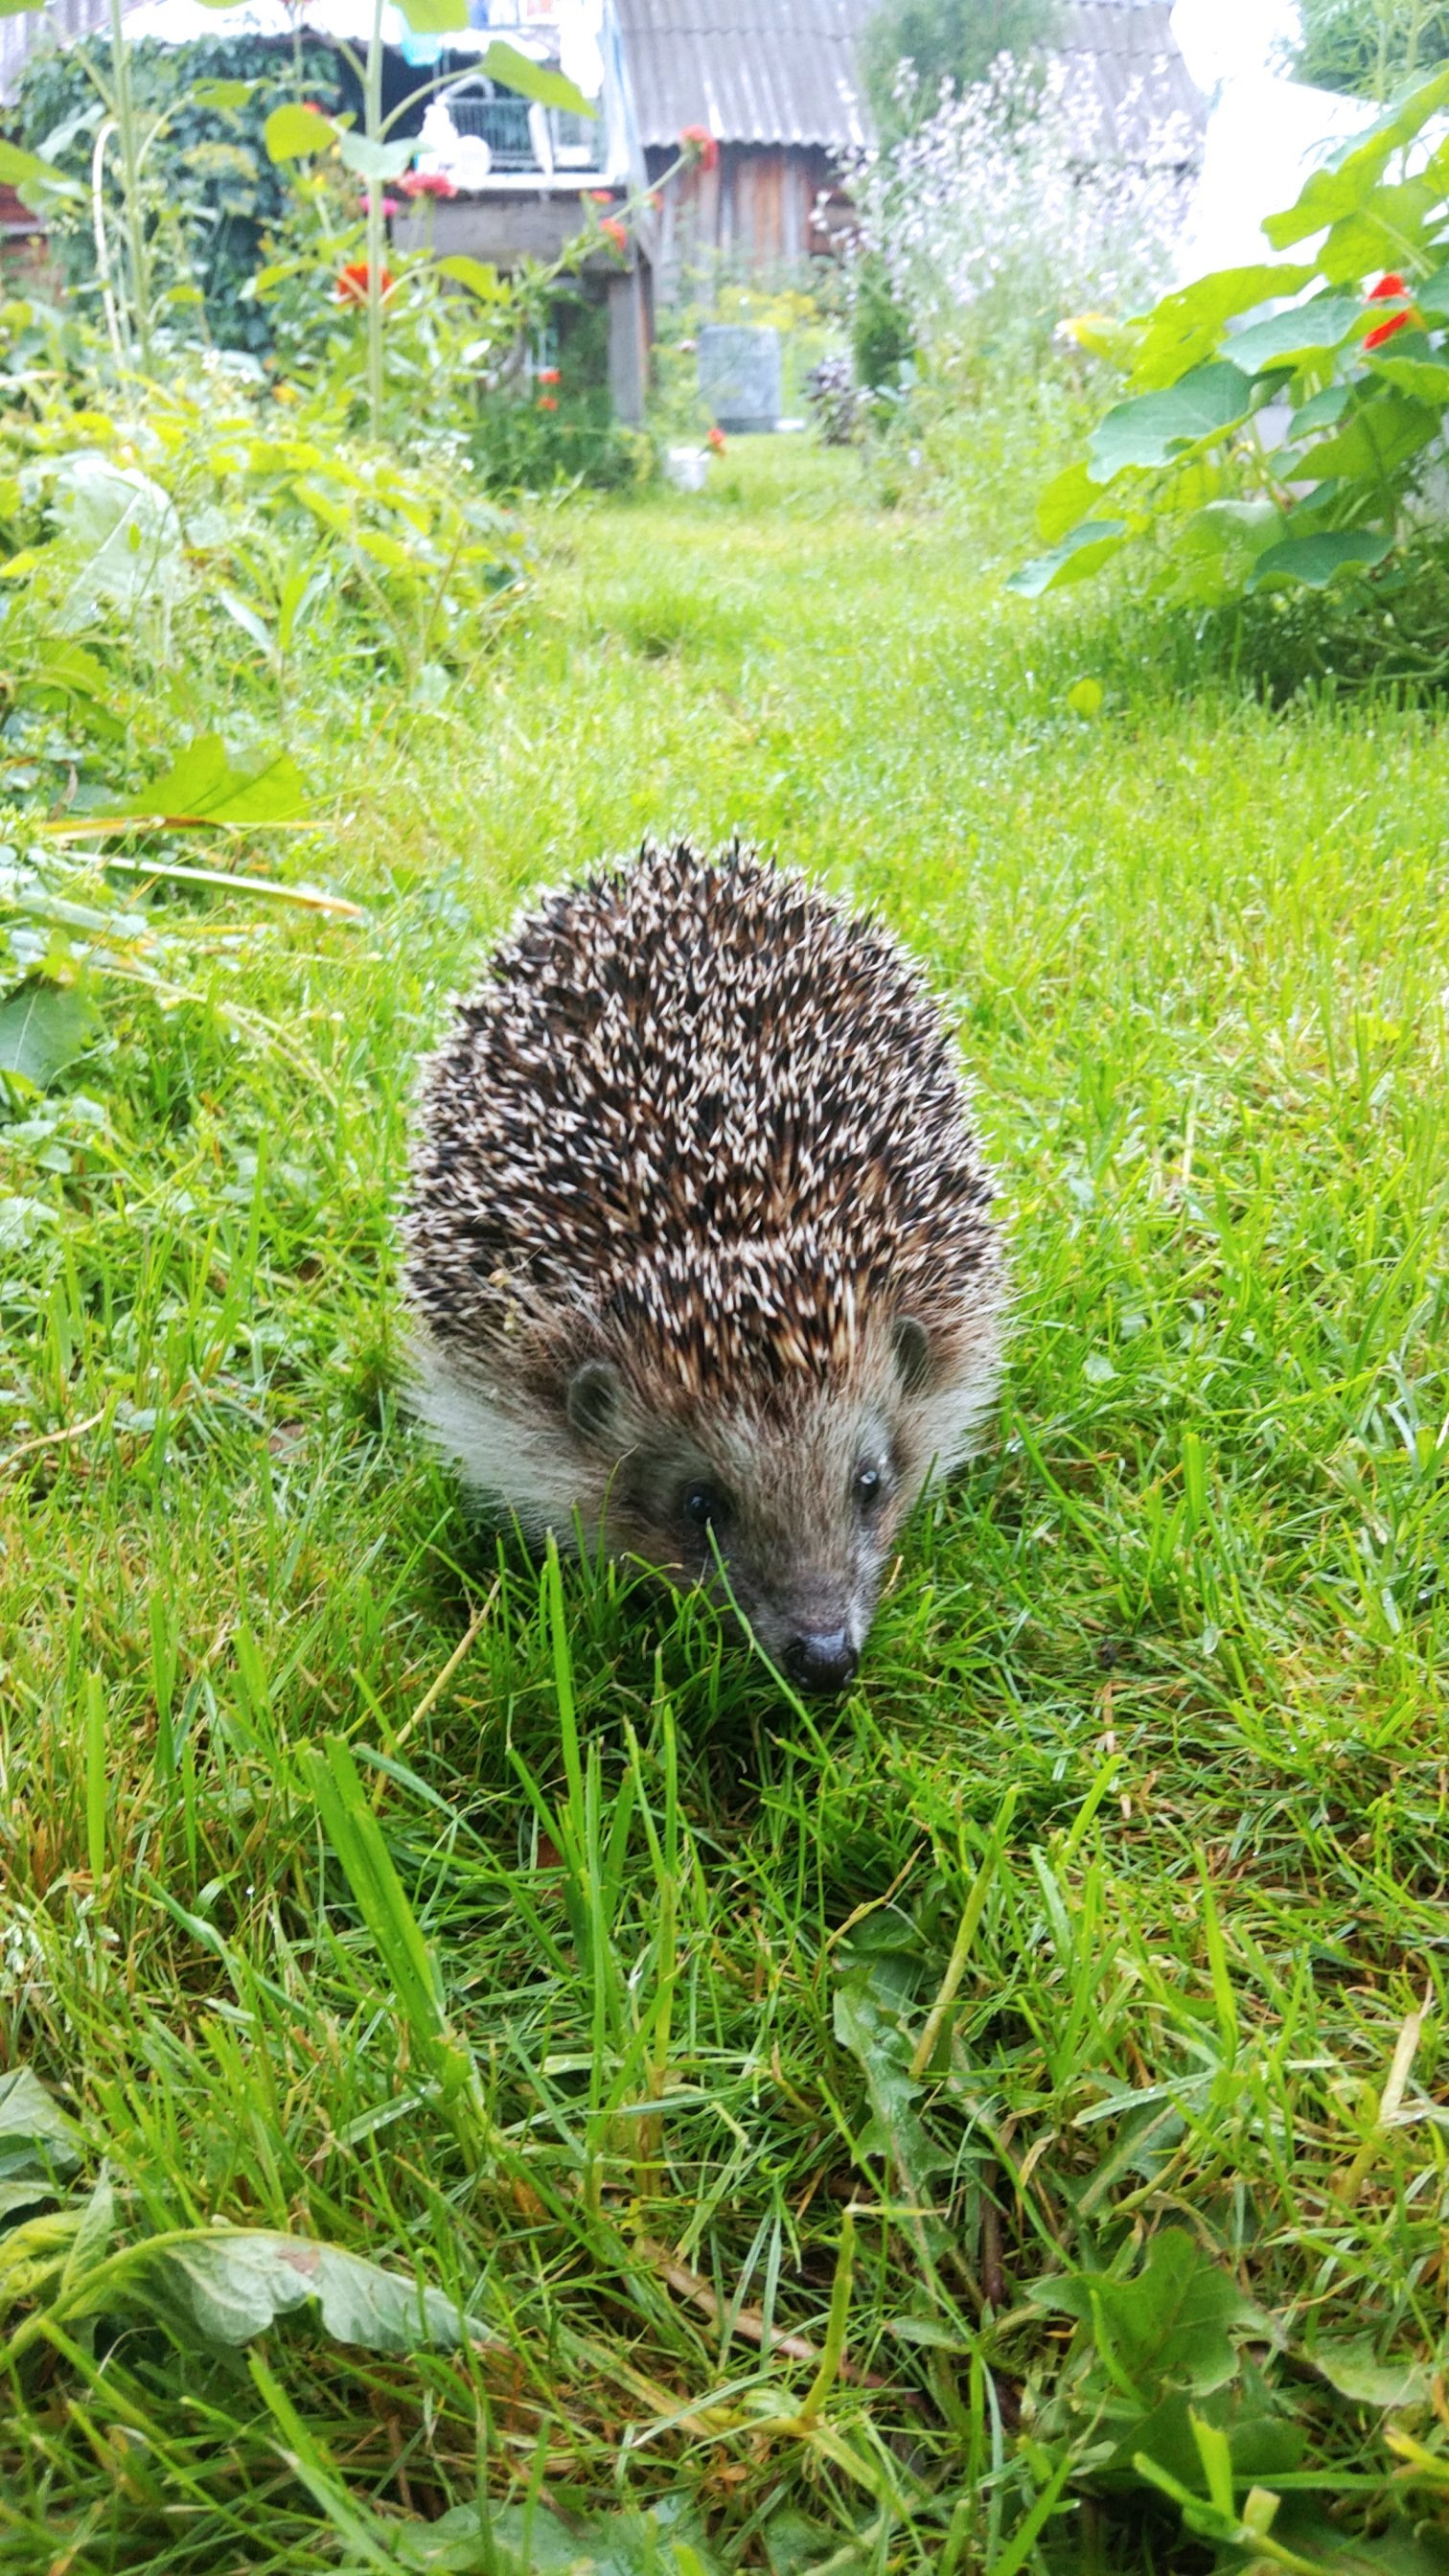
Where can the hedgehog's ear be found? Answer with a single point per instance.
(594, 1400)
(913, 1354)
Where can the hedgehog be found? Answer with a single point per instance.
(699, 1241)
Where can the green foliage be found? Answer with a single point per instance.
(211, 185)
(1368, 47)
(1351, 380)
(882, 341)
(954, 41)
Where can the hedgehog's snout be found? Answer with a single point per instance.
(822, 1660)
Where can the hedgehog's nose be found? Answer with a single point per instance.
(823, 1661)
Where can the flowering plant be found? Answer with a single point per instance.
(698, 145)
(1013, 203)
(1284, 423)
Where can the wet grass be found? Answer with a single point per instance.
(1147, 1753)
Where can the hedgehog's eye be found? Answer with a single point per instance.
(869, 1485)
(705, 1506)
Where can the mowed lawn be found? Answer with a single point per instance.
(859, 2134)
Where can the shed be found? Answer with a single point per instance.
(778, 85)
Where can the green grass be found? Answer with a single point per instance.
(1189, 1612)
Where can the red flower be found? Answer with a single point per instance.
(698, 144)
(548, 402)
(548, 375)
(614, 231)
(601, 196)
(714, 439)
(1393, 284)
(351, 287)
(426, 183)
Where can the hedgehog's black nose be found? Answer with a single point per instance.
(825, 1661)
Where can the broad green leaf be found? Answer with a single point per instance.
(1151, 429)
(1069, 497)
(1318, 559)
(1349, 2364)
(505, 63)
(224, 95)
(866, 2026)
(377, 161)
(1218, 546)
(1433, 295)
(1262, 2443)
(1084, 697)
(201, 786)
(476, 274)
(1425, 379)
(33, 2128)
(26, 171)
(1351, 173)
(1084, 551)
(43, 1028)
(1319, 324)
(15, 8)
(1167, 2325)
(291, 132)
(1380, 435)
(120, 533)
(435, 17)
(1387, 232)
(228, 2284)
(1321, 410)
(538, 2540)
(1187, 326)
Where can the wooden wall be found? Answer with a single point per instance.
(754, 214)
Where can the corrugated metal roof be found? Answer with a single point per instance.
(787, 71)
(753, 71)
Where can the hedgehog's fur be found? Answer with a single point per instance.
(697, 1208)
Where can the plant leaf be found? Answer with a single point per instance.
(43, 1028)
(1382, 433)
(476, 274)
(1153, 429)
(379, 161)
(1320, 324)
(1349, 2364)
(26, 170)
(228, 2284)
(1167, 2325)
(1351, 173)
(33, 2129)
(291, 132)
(505, 63)
(122, 533)
(523, 2540)
(1080, 553)
(201, 786)
(435, 17)
(1185, 327)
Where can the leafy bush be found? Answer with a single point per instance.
(1285, 422)
(211, 185)
(1368, 46)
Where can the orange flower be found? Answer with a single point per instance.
(613, 231)
(352, 282)
(548, 375)
(714, 440)
(1393, 284)
(548, 402)
(698, 144)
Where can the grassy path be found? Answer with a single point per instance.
(1189, 1610)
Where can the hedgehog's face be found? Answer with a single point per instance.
(789, 1513)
